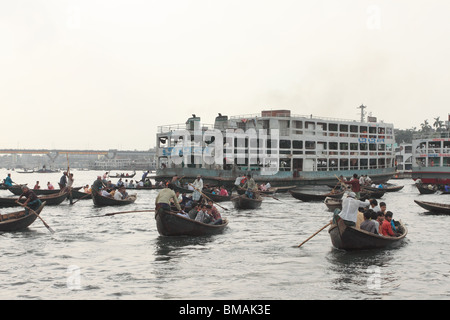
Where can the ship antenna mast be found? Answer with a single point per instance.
(363, 113)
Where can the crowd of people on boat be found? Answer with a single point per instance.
(197, 207)
(368, 215)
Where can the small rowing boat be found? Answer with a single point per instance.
(244, 202)
(311, 195)
(171, 224)
(350, 238)
(100, 200)
(426, 189)
(18, 220)
(434, 207)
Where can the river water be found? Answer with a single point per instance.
(257, 258)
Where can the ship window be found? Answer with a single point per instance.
(381, 163)
(321, 125)
(372, 130)
(381, 146)
(285, 144)
(343, 164)
(353, 146)
(333, 127)
(297, 144)
(363, 129)
(353, 128)
(310, 144)
(332, 164)
(343, 128)
(363, 146)
(353, 164)
(333, 145)
(446, 161)
(343, 146)
(373, 163)
(372, 146)
(363, 164)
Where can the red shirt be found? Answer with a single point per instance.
(386, 229)
(355, 185)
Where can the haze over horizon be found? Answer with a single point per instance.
(80, 74)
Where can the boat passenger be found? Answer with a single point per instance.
(50, 186)
(223, 192)
(203, 215)
(215, 214)
(105, 193)
(368, 224)
(349, 211)
(36, 186)
(386, 227)
(164, 197)
(374, 205)
(97, 185)
(8, 181)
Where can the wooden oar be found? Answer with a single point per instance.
(45, 224)
(87, 194)
(121, 212)
(315, 234)
(208, 197)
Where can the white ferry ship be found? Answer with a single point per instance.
(298, 150)
(431, 158)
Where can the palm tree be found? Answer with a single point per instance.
(425, 126)
(438, 124)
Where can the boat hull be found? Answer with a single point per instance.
(101, 201)
(350, 238)
(243, 202)
(434, 207)
(171, 224)
(431, 175)
(20, 223)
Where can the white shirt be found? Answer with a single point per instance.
(198, 184)
(118, 195)
(350, 208)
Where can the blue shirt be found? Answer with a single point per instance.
(8, 181)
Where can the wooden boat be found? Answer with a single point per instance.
(283, 189)
(77, 194)
(182, 190)
(367, 194)
(171, 224)
(424, 189)
(123, 175)
(51, 200)
(333, 203)
(350, 238)
(100, 200)
(17, 190)
(434, 207)
(244, 202)
(310, 195)
(18, 220)
(386, 188)
(217, 197)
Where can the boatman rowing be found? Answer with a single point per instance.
(349, 213)
(164, 197)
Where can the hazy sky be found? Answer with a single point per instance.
(93, 74)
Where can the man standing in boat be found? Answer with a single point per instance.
(350, 206)
(356, 187)
(198, 187)
(164, 197)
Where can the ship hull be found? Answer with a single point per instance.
(280, 179)
(432, 175)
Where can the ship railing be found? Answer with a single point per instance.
(181, 126)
